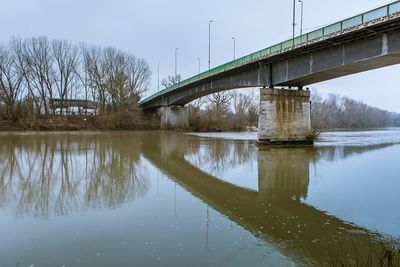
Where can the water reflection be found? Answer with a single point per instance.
(283, 174)
(46, 175)
(219, 156)
(275, 212)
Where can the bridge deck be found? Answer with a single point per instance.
(372, 22)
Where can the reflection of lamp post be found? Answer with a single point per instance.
(294, 17)
(199, 64)
(301, 21)
(176, 62)
(234, 48)
(209, 43)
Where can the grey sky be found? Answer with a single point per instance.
(152, 29)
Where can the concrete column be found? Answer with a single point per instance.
(285, 117)
(174, 118)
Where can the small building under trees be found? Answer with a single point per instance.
(73, 106)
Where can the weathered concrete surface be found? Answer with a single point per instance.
(285, 117)
(174, 118)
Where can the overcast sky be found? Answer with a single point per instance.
(152, 29)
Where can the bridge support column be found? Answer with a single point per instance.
(174, 118)
(285, 117)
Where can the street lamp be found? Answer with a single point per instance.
(294, 17)
(158, 77)
(209, 43)
(176, 62)
(234, 48)
(301, 21)
(199, 64)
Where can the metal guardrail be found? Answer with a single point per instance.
(335, 29)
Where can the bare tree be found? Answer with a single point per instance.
(115, 77)
(218, 109)
(198, 103)
(253, 108)
(19, 50)
(40, 77)
(241, 105)
(220, 101)
(95, 77)
(171, 80)
(66, 59)
(10, 81)
(139, 75)
(114, 65)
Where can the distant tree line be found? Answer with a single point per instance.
(238, 110)
(34, 71)
(337, 111)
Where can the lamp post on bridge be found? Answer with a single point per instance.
(158, 77)
(294, 18)
(234, 48)
(209, 43)
(176, 62)
(301, 21)
(198, 59)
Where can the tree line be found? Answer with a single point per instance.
(36, 70)
(335, 111)
(237, 110)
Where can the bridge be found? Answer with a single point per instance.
(364, 42)
(275, 212)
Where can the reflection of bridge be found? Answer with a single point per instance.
(364, 42)
(274, 213)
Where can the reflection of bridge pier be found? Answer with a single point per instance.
(275, 213)
(284, 172)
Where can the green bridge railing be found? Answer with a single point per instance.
(313, 36)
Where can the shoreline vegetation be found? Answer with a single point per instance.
(50, 85)
(331, 113)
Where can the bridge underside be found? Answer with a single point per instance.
(333, 60)
(285, 114)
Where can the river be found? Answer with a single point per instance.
(215, 199)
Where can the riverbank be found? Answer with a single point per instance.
(123, 121)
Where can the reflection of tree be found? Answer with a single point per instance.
(333, 153)
(46, 175)
(220, 155)
(118, 175)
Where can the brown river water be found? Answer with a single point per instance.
(173, 199)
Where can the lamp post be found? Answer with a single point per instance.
(234, 48)
(301, 21)
(294, 17)
(176, 62)
(199, 64)
(158, 77)
(209, 43)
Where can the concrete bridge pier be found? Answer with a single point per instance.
(174, 118)
(285, 117)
